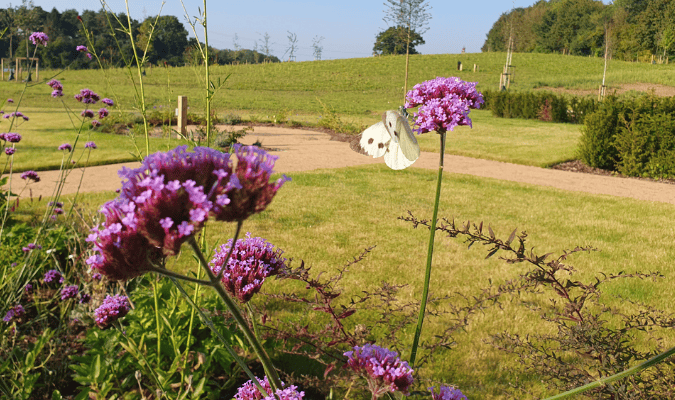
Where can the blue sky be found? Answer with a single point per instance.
(348, 26)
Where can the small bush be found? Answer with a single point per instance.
(596, 144)
(646, 147)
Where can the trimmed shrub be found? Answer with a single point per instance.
(545, 106)
(646, 147)
(596, 144)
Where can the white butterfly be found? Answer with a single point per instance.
(391, 138)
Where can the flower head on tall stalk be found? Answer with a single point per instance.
(383, 369)
(14, 312)
(444, 103)
(31, 176)
(252, 260)
(39, 38)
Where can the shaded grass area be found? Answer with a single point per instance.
(327, 217)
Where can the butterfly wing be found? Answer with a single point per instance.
(374, 141)
(394, 157)
(406, 146)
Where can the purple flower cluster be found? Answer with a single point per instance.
(382, 368)
(39, 38)
(28, 288)
(84, 298)
(249, 391)
(10, 100)
(87, 96)
(87, 114)
(444, 103)
(171, 196)
(10, 150)
(53, 276)
(69, 292)
(57, 88)
(81, 48)
(66, 146)
(31, 246)
(447, 393)
(108, 102)
(252, 260)
(112, 309)
(14, 312)
(10, 137)
(102, 113)
(90, 145)
(95, 123)
(31, 175)
(16, 114)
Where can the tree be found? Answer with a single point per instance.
(393, 41)
(292, 45)
(316, 45)
(413, 17)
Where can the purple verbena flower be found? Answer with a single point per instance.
(66, 146)
(253, 172)
(96, 276)
(87, 96)
(14, 312)
(84, 298)
(95, 123)
(112, 309)
(444, 103)
(81, 48)
(120, 251)
(28, 288)
(58, 211)
(249, 391)
(89, 56)
(10, 137)
(252, 260)
(57, 93)
(57, 204)
(53, 276)
(39, 38)
(69, 292)
(447, 393)
(31, 175)
(383, 369)
(10, 100)
(90, 145)
(102, 113)
(55, 84)
(107, 102)
(10, 150)
(87, 114)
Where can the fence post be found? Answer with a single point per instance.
(181, 111)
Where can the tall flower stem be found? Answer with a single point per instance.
(271, 373)
(159, 327)
(430, 253)
(630, 371)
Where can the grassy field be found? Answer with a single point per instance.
(354, 87)
(327, 217)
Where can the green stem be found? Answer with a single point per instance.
(271, 373)
(159, 330)
(207, 321)
(630, 371)
(251, 315)
(430, 253)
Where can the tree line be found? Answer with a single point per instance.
(168, 40)
(635, 29)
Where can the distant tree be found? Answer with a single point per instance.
(292, 46)
(394, 41)
(411, 15)
(570, 26)
(318, 48)
(266, 45)
(169, 39)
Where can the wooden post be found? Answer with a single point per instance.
(182, 114)
(461, 67)
(601, 92)
(2, 69)
(17, 71)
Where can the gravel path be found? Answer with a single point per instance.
(303, 150)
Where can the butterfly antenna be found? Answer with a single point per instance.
(404, 112)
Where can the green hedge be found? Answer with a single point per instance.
(633, 136)
(545, 106)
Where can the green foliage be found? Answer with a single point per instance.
(117, 363)
(395, 41)
(546, 106)
(633, 136)
(635, 27)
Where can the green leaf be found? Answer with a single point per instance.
(97, 367)
(56, 395)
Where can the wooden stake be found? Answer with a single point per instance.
(182, 114)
